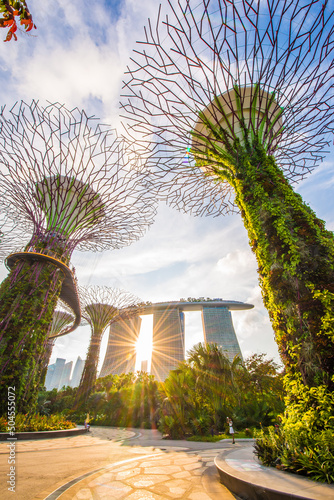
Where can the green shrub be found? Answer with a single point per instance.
(299, 451)
(25, 423)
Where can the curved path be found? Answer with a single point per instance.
(111, 463)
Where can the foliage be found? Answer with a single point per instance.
(193, 400)
(25, 423)
(208, 439)
(207, 388)
(260, 392)
(298, 450)
(56, 401)
(28, 298)
(10, 10)
(295, 255)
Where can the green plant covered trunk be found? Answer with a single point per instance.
(89, 374)
(295, 255)
(28, 297)
(44, 359)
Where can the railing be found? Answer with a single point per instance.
(49, 253)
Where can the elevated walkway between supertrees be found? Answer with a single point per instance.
(69, 291)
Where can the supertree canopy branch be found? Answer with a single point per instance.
(72, 184)
(12, 236)
(198, 53)
(240, 95)
(101, 306)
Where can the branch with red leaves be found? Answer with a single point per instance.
(10, 11)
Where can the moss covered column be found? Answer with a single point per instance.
(88, 377)
(28, 297)
(295, 255)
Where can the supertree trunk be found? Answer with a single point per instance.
(295, 255)
(28, 298)
(90, 370)
(102, 305)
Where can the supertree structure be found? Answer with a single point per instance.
(239, 96)
(101, 306)
(73, 184)
(62, 323)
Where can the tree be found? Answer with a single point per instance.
(260, 392)
(101, 306)
(12, 9)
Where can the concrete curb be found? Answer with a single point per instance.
(4, 436)
(244, 476)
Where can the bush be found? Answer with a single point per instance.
(23, 423)
(298, 451)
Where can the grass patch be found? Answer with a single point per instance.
(208, 439)
(219, 437)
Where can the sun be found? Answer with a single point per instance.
(144, 342)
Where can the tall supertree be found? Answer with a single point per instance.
(101, 306)
(74, 185)
(233, 101)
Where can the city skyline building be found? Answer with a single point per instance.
(144, 366)
(59, 374)
(66, 375)
(168, 340)
(120, 356)
(218, 329)
(168, 344)
(54, 374)
(77, 372)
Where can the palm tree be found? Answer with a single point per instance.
(215, 378)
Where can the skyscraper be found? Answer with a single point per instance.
(218, 329)
(121, 350)
(57, 371)
(168, 341)
(168, 348)
(66, 375)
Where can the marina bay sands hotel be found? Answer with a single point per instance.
(169, 335)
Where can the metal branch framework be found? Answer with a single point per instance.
(71, 179)
(12, 236)
(101, 306)
(280, 51)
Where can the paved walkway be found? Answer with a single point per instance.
(130, 464)
(114, 464)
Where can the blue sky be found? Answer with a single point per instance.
(77, 56)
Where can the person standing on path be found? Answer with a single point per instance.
(231, 430)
